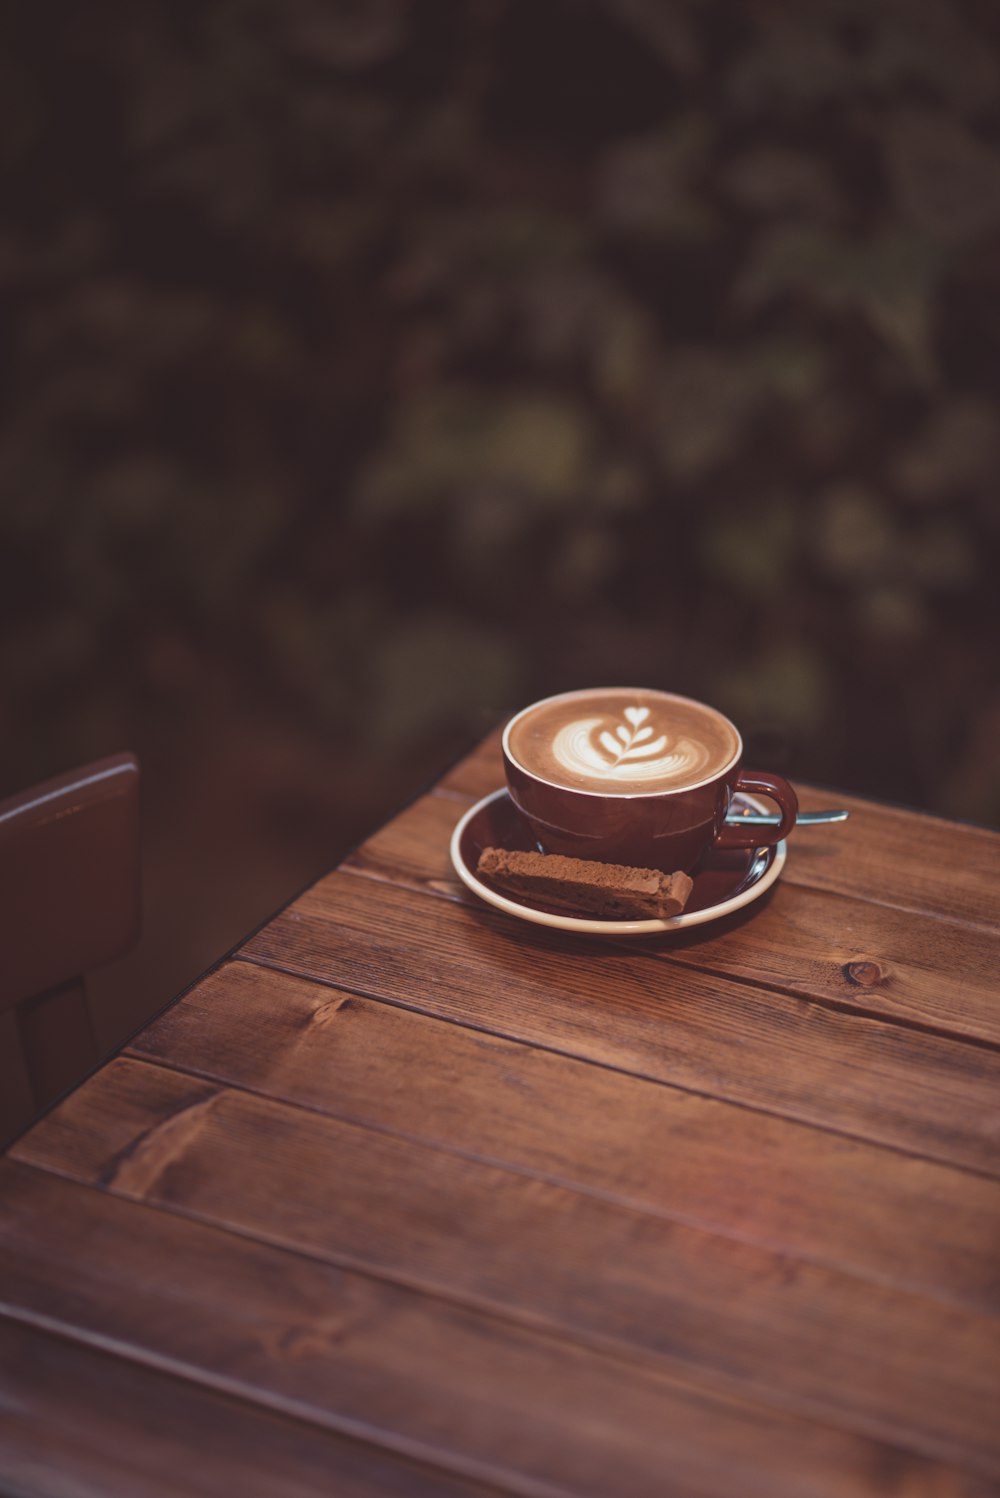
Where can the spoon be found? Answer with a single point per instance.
(804, 818)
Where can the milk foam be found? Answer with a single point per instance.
(632, 751)
(622, 742)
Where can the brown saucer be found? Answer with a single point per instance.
(723, 881)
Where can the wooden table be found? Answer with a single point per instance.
(411, 1197)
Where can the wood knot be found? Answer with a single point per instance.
(139, 1168)
(325, 1013)
(863, 973)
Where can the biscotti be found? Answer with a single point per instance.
(582, 885)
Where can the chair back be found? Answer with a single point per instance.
(69, 903)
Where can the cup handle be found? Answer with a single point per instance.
(779, 791)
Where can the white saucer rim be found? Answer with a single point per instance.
(590, 927)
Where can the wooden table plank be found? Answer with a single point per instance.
(81, 1421)
(905, 860)
(851, 1073)
(763, 1324)
(833, 947)
(440, 1201)
(785, 1186)
(883, 854)
(467, 1391)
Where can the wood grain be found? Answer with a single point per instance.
(798, 1190)
(75, 1419)
(761, 1324)
(412, 1197)
(883, 854)
(846, 951)
(463, 1390)
(848, 1072)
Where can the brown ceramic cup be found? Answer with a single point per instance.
(590, 805)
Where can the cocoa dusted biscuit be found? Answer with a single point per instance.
(604, 889)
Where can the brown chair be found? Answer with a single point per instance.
(69, 903)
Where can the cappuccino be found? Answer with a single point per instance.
(622, 742)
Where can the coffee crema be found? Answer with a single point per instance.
(624, 742)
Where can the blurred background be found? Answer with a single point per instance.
(372, 367)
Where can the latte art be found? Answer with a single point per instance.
(632, 751)
(622, 742)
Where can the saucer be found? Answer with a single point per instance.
(724, 881)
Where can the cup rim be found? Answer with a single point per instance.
(573, 790)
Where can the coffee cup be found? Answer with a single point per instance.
(635, 776)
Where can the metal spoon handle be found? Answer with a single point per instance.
(804, 818)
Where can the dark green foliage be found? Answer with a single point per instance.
(408, 361)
